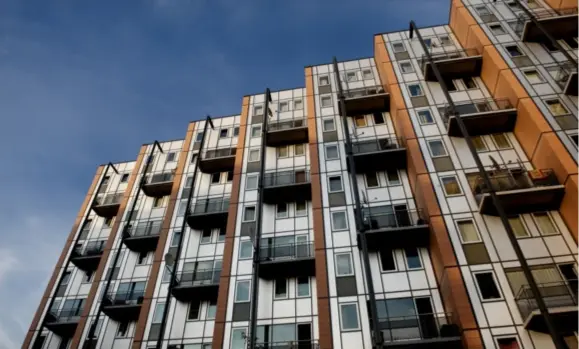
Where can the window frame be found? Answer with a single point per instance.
(323, 77)
(510, 145)
(351, 76)
(299, 146)
(252, 151)
(324, 124)
(278, 152)
(281, 105)
(494, 279)
(375, 176)
(367, 77)
(417, 255)
(358, 327)
(240, 256)
(362, 118)
(277, 211)
(506, 47)
(460, 235)
(400, 43)
(408, 63)
(275, 284)
(350, 258)
(420, 119)
(482, 142)
(499, 26)
(298, 287)
(236, 293)
(247, 181)
(216, 175)
(243, 218)
(301, 213)
(551, 221)
(457, 182)
(255, 131)
(341, 190)
(546, 101)
(298, 104)
(380, 259)
(420, 90)
(540, 78)
(391, 183)
(337, 151)
(432, 155)
(201, 239)
(189, 306)
(325, 97)
(256, 108)
(332, 213)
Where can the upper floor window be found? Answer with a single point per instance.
(171, 156)
(415, 90)
(444, 40)
(406, 67)
(425, 117)
(514, 50)
(367, 74)
(298, 104)
(324, 80)
(326, 101)
(223, 133)
(351, 76)
(482, 10)
(497, 29)
(258, 110)
(398, 47)
(556, 107)
(436, 148)
(283, 106)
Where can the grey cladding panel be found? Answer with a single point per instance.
(337, 199)
(325, 89)
(196, 145)
(247, 229)
(257, 119)
(253, 166)
(241, 311)
(331, 136)
(346, 286)
(567, 122)
(419, 102)
(443, 164)
(401, 55)
(476, 253)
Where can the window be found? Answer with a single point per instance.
(199, 137)
(351, 77)
(367, 74)
(508, 343)
(282, 152)
(469, 83)
(415, 90)
(467, 230)
(222, 233)
(349, 316)
(158, 314)
(303, 286)
(206, 236)
(360, 121)
(283, 106)
(398, 47)
(298, 104)
(299, 149)
(171, 157)
(436, 148)
(393, 177)
(253, 155)
(255, 131)
(514, 5)
(176, 239)
(372, 180)
(412, 258)
(556, 107)
(451, 186)
(479, 144)
(487, 286)
(544, 223)
(533, 76)
(501, 141)
(211, 309)
(258, 110)
(518, 227)
(281, 211)
(326, 101)
(242, 291)
(142, 259)
(235, 131)
(280, 289)
(378, 118)
(215, 178)
(301, 208)
(251, 182)
(249, 214)
(339, 220)
(549, 47)
(229, 176)
(65, 278)
(497, 29)
(245, 249)
(387, 262)
(332, 152)
(123, 329)
(425, 117)
(239, 338)
(324, 80)
(125, 178)
(482, 10)
(158, 202)
(223, 133)
(444, 40)
(329, 125)
(344, 265)
(193, 313)
(513, 51)
(406, 67)
(335, 184)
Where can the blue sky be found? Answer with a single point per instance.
(87, 82)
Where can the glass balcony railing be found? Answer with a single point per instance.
(541, 14)
(284, 125)
(202, 277)
(150, 228)
(448, 55)
(219, 153)
(287, 251)
(92, 248)
(284, 178)
(418, 327)
(376, 145)
(376, 218)
(159, 178)
(109, 199)
(205, 206)
(293, 344)
(66, 315)
(516, 179)
(363, 92)
(475, 106)
(125, 298)
(554, 294)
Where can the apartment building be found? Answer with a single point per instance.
(425, 197)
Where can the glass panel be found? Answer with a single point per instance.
(283, 333)
(349, 314)
(238, 338)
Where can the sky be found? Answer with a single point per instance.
(86, 82)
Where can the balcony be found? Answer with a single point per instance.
(287, 260)
(481, 117)
(218, 160)
(88, 258)
(287, 186)
(455, 64)
(565, 74)
(209, 213)
(143, 237)
(63, 323)
(520, 191)
(428, 331)
(158, 185)
(560, 24)
(287, 132)
(394, 228)
(366, 101)
(561, 301)
(123, 307)
(108, 206)
(379, 155)
(297, 344)
(200, 284)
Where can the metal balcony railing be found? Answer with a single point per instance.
(417, 327)
(287, 251)
(514, 179)
(159, 178)
(150, 228)
(210, 206)
(219, 153)
(202, 277)
(363, 92)
(286, 178)
(453, 54)
(125, 298)
(109, 199)
(374, 219)
(375, 145)
(561, 72)
(66, 315)
(554, 294)
(297, 344)
(540, 14)
(286, 125)
(92, 248)
(475, 106)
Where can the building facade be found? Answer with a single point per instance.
(396, 201)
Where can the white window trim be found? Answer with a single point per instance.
(351, 263)
(557, 231)
(341, 184)
(320, 80)
(277, 151)
(298, 104)
(398, 51)
(486, 146)
(254, 213)
(256, 107)
(457, 181)
(360, 116)
(471, 220)
(393, 184)
(520, 218)
(501, 296)
(297, 146)
(258, 132)
(286, 103)
(189, 311)
(500, 26)
(337, 151)
(277, 212)
(309, 289)
(377, 180)
(419, 86)
(393, 258)
(419, 258)
(409, 63)
(515, 336)
(286, 289)
(221, 132)
(428, 141)
(213, 176)
(332, 220)
(522, 53)
(201, 242)
(237, 282)
(560, 103)
(324, 124)
(539, 75)
(420, 120)
(495, 142)
(357, 317)
(370, 77)
(247, 181)
(249, 155)
(300, 213)
(240, 249)
(324, 97)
